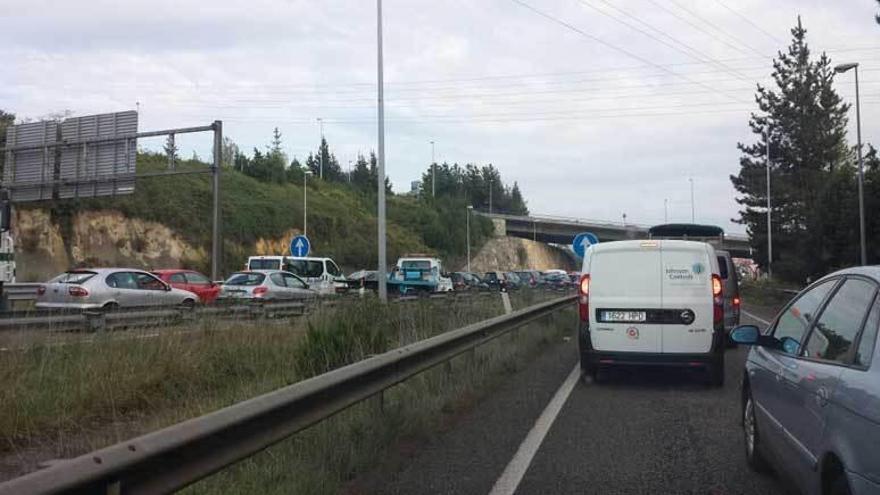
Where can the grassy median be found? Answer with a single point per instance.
(63, 399)
(326, 457)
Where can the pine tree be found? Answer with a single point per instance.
(804, 121)
(275, 147)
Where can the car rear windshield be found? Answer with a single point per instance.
(306, 268)
(722, 267)
(264, 265)
(72, 278)
(416, 265)
(246, 279)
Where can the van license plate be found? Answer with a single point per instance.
(624, 316)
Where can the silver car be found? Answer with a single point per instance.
(109, 288)
(261, 285)
(811, 387)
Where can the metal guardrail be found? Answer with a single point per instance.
(20, 291)
(94, 320)
(176, 456)
(133, 317)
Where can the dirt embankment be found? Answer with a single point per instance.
(513, 253)
(46, 245)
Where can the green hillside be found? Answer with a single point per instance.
(341, 223)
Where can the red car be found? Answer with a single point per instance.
(192, 281)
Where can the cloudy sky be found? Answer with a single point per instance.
(598, 108)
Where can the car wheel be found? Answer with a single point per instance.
(752, 437)
(840, 486)
(188, 304)
(110, 306)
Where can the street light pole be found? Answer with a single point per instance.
(864, 249)
(468, 221)
(490, 196)
(321, 149)
(306, 174)
(380, 272)
(433, 172)
(665, 210)
(693, 209)
(769, 216)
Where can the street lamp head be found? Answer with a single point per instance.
(840, 69)
(470, 207)
(308, 172)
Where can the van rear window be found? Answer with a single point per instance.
(722, 267)
(264, 265)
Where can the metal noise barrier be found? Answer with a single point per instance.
(176, 456)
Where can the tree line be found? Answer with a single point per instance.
(801, 123)
(474, 184)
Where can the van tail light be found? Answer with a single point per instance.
(77, 291)
(584, 297)
(717, 300)
(260, 291)
(41, 290)
(737, 302)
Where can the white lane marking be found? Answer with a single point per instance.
(516, 469)
(758, 318)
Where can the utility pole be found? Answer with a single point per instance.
(490, 196)
(769, 216)
(433, 172)
(321, 148)
(306, 174)
(693, 209)
(215, 185)
(380, 272)
(469, 208)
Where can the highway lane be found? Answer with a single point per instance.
(639, 431)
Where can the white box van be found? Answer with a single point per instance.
(651, 302)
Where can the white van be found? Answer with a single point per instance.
(651, 302)
(322, 274)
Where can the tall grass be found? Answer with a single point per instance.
(64, 400)
(324, 458)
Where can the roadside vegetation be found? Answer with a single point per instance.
(331, 455)
(766, 297)
(62, 400)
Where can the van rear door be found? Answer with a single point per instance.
(625, 284)
(687, 295)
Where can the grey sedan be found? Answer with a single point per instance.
(811, 387)
(261, 285)
(109, 288)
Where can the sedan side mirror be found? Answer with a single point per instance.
(745, 334)
(167, 288)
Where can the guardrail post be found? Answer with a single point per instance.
(95, 320)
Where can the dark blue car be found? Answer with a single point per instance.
(811, 388)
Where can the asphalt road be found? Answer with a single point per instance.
(638, 431)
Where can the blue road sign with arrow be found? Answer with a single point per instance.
(582, 242)
(300, 246)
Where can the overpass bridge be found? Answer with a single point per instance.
(561, 230)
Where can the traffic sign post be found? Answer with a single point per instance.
(582, 241)
(300, 246)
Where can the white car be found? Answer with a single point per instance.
(322, 274)
(651, 302)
